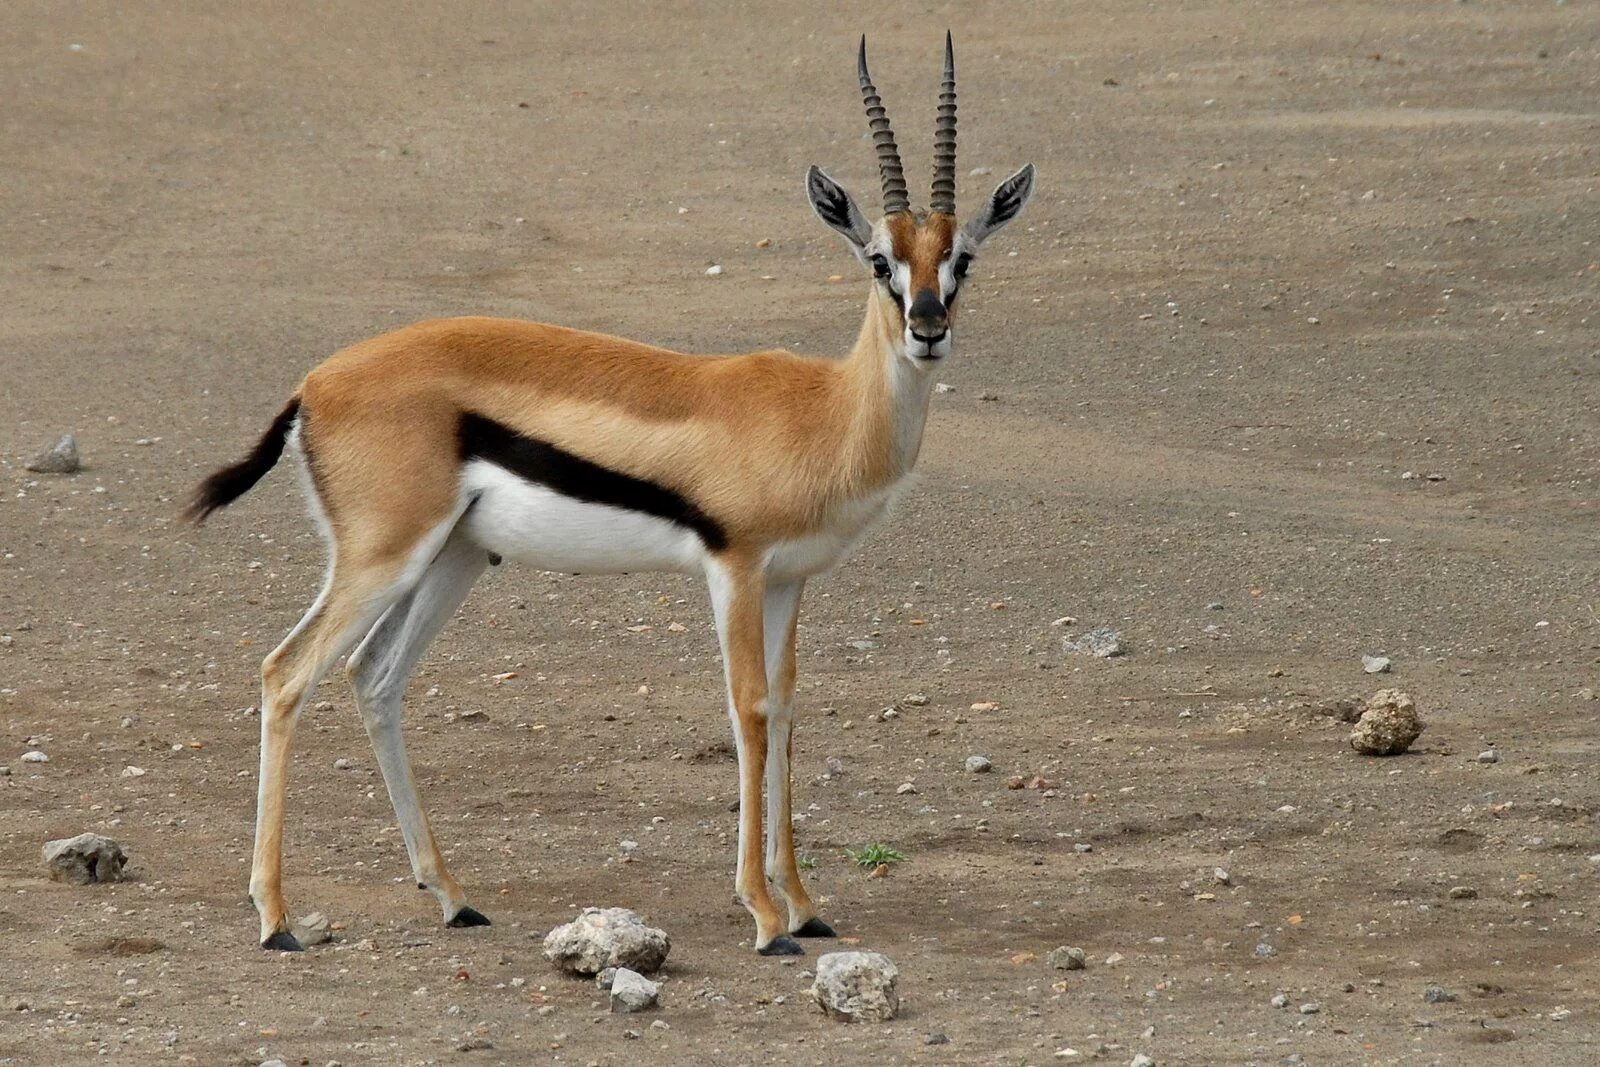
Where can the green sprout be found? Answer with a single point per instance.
(875, 855)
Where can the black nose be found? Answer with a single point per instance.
(927, 318)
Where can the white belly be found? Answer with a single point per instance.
(537, 526)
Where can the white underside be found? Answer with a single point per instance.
(534, 525)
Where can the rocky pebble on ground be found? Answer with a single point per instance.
(633, 992)
(1375, 664)
(312, 929)
(85, 859)
(856, 987)
(978, 764)
(1389, 726)
(1102, 641)
(59, 458)
(607, 937)
(1067, 958)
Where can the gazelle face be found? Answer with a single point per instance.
(918, 260)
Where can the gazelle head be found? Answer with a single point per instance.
(918, 259)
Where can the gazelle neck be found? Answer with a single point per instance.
(890, 392)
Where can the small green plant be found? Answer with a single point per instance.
(806, 863)
(875, 855)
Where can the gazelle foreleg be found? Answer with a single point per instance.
(780, 616)
(379, 670)
(738, 600)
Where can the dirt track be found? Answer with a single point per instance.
(1282, 254)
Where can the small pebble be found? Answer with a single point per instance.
(342, 764)
(714, 270)
(1463, 892)
(1375, 664)
(936, 1039)
(905, 788)
(1488, 755)
(978, 765)
(1280, 1000)
(1438, 995)
(35, 756)
(1141, 1060)
(1310, 1009)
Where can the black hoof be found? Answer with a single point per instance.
(282, 941)
(782, 946)
(469, 917)
(814, 927)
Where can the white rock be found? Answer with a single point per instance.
(714, 270)
(978, 765)
(1141, 1060)
(84, 859)
(1375, 664)
(856, 987)
(131, 771)
(632, 991)
(606, 937)
(35, 756)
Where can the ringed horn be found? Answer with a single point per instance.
(895, 198)
(944, 138)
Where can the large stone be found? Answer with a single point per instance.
(632, 991)
(1388, 726)
(606, 937)
(59, 458)
(85, 859)
(856, 987)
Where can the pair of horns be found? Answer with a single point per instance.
(895, 197)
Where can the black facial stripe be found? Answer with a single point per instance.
(544, 464)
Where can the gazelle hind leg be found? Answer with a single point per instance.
(349, 603)
(379, 670)
(360, 587)
(780, 615)
(737, 601)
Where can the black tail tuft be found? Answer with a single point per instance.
(231, 483)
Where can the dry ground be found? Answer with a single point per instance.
(1281, 255)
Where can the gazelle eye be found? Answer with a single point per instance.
(880, 266)
(963, 261)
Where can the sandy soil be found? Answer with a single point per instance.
(1288, 264)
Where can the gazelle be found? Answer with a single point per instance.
(438, 449)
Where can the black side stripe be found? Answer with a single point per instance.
(544, 464)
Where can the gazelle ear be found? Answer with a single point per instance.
(1003, 205)
(835, 207)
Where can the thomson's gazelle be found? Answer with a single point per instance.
(442, 447)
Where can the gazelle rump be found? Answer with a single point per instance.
(435, 450)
